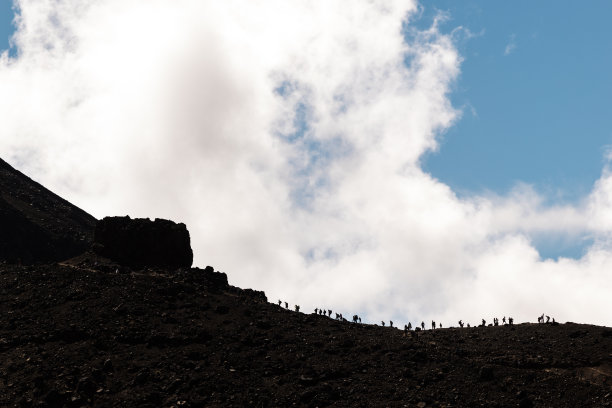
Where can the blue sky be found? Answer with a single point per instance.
(535, 89)
(6, 27)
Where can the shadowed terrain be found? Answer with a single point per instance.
(36, 225)
(81, 334)
(90, 331)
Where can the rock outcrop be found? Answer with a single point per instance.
(141, 242)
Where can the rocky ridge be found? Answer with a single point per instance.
(90, 332)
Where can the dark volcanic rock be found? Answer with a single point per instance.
(36, 225)
(90, 332)
(141, 242)
(185, 338)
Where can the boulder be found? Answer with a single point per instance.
(141, 242)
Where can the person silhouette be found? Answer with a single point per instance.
(383, 323)
(360, 320)
(297, 308)
(433, 325)
(390, 323)
(460, 323)
(409, 325)
(286, 305)
(422, 325)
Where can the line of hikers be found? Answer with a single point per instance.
(322, 312)
(541, 319)
(356, 319)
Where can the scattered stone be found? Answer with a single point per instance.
(108, 365)
(486, 373)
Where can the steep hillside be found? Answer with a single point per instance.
(36, 225)
(93, 333)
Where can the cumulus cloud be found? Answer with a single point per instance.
(288, 136)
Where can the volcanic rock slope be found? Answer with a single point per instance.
(36, 225)
(92, 333)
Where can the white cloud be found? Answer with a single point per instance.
(172, 109)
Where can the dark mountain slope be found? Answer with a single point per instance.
(36, 225)
(98, 334)
(90, 332)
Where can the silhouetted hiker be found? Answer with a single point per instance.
(341, 318)
(390, 323)
(316, 310)
(484, 323)
(510, 321)
(354, 318)
(504, 320)
(297, 308)
(405, 328)
(439, 325)
(360, 320)
(329, 313)
(409, 325)
(422, 325)
(495, 321)
(554, 322)
(433, 325)
(547, 319)
(279, 302)
(460, 323)
(286, 305)
(383, 323)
